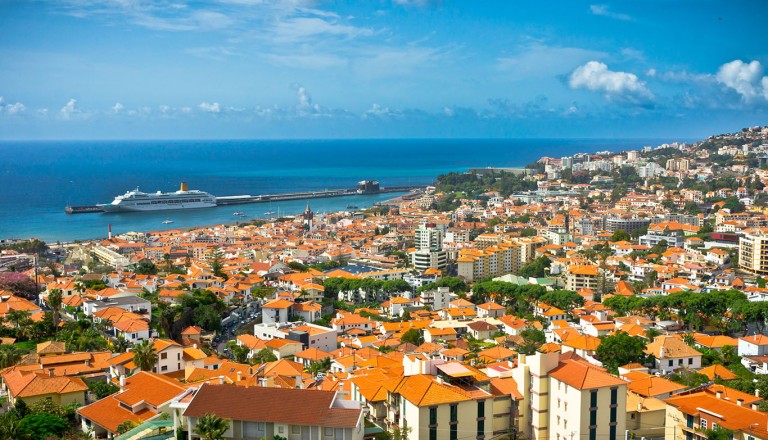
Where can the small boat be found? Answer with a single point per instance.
(238, 213)
(352, 207)
(269, 212)
(167, 221)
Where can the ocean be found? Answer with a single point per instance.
(38, 179)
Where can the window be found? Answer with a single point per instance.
(558, 403)
(703, 423)
(690, 361)
(454, 422)
(295, 429)
(558, 420)
(163, 355)
(565, 423)
(164, 368)
(679, 362)
(327, 432)
(280, 429)
(671, 362)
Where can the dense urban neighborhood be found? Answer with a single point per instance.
(600, 296)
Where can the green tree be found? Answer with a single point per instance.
(413, 336)
(102, 389)
(563, 299)
(9, 356)
(144, 355)
(10, 427)
(532, 339)
(620, 349)
(621, 235)
(43, 425)
(54, 300)
(263, 356)
(239, 352)
(211, 427)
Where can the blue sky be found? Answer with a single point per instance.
(381, 68)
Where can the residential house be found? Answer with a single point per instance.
(265, 412)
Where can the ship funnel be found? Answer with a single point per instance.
(183, 186)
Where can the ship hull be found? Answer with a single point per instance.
(154, 207)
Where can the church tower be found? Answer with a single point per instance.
(308, 217)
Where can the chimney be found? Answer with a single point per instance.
(122, 380)
(239, 376)
(719, 394)
(740, 402)
(757, 392)
(298, 382)
(87, 362)
(221, 380)
(194, 345)
(661, 352)
(755, 407)
(50, 372)
(639, 406)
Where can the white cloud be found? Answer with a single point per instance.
(746, 79)
(377, 111)
(304, 28)
(604, 11)
(117, 107)
(210, 108)
(11, 109)
(69, 109)
(620, 87)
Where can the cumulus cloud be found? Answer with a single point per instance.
(604, 11)
(117, 107)
(69, 109)
(11, 109)
(210, 107)
(620, 87)
(746, 79)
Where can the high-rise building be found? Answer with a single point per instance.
(753, 253)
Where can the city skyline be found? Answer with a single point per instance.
(404, 68)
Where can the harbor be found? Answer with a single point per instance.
(366, 187)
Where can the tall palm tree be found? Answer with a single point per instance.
(54, 300)
(211, 427)
(144, 355)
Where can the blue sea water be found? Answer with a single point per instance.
(39, 178)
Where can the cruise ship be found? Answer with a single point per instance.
(133, 201)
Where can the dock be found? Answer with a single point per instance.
(263, 198)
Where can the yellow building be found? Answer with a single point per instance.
(34, 386)
(501, 259)
(753, 252)
(582, 276)
(565, 397)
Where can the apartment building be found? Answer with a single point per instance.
(753, 252)
(582, 276)
(567, 397)
(501, 259)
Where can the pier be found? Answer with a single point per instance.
(263, 198)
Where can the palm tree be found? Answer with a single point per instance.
(54, 300)
(9, 355)
(144, 355)
(211, 427)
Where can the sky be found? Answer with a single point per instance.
(262, 69)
